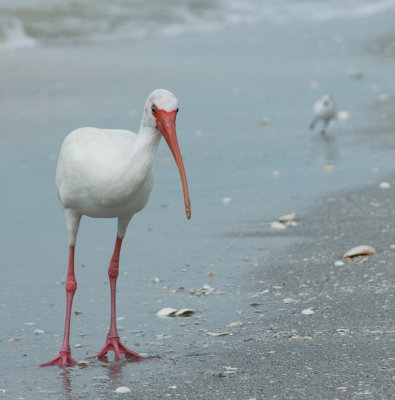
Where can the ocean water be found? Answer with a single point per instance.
(30, 23)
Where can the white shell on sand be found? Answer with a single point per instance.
(185, 312)
(218, 334)
(167, 312)
(287, 217)
(122, 390)
(236, 324)
(357, 251)
(384, 185)
(277, 225)
(343, 115)
(308, 311)
(83, 364)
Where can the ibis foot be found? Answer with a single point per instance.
(118, 348)
(63, 360)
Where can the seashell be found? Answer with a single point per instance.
(384, 185)
(276, 173)
(38, 332)
(185, 312)
(266, 121)
(277, 226)
(122, 390)
(166, 312)
(343, 115)
(287, 217)
(338, 263)
(289, 300)
(357, 251)
(14, 339)
(236, 324)
(383, 97)
(83, 364)
(217, 334)
(329, 168)
(226, 200)
(308, 311)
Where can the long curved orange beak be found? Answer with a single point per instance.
(166, 124)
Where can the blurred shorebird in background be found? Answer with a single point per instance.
(324, 109)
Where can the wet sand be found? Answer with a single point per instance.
(341, 351)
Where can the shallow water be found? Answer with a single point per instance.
(32, 23)
(226, 84)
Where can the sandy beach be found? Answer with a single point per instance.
(243, 278)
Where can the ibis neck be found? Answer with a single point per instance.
(140, 162)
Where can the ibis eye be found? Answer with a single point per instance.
(177, 110)
(153, 109)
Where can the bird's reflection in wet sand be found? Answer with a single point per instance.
(325, 148)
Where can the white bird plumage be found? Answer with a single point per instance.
(324, 109)
(109, 173)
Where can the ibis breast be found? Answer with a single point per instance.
(97, 177)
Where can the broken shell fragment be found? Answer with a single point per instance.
(357, 251)
(218, 334)
(236, 324)
(166, 312)
(226, 200)
(277, 225)
(308, 311)
(122, 390)
(83, 364)
(14, 339)
(266, 121)
(385, 185)
(185, 312)
(287, 217)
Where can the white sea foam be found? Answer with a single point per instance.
(26, 23)
(13, 35)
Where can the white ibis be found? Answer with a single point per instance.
(109, 173)
(324, 109)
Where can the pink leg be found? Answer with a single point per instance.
(64, 358)
(113, 343)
